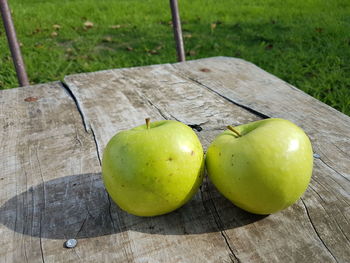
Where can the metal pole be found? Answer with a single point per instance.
(13, 43)
(177, 30)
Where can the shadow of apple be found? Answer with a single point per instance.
(78, 206)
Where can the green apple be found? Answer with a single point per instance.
(263, 166)
(153, 169)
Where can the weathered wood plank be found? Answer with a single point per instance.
(50, 181)
(315, 229)
(328, 197)
(110, 104)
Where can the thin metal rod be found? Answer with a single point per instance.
(177, 30)
(13, 44)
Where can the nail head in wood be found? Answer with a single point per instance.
(71, 243)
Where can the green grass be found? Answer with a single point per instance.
(304, 42)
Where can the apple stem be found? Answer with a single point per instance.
(234, 130)
(148, 123)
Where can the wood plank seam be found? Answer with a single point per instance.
(44, 198)
(313, 226)
(77, 104)
(220, 225)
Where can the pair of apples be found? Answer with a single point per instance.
(261, 167)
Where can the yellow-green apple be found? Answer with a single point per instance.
(263, 166)
(153, 169)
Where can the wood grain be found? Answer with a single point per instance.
(51, 187)
(315, 229)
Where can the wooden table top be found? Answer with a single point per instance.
(52, 136)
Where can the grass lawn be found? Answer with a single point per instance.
(304, 42)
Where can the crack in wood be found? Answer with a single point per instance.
(75, 251)
(110, 211)
(77, 104)
(220, 224)
(159, 110)
(196, 126)
(97, 145)
(331, 216)
(127, 254)
(25, 255)
(44, 206)
(333, 169)
(40, 239)
(336, 182)
(323, 163)
(87, 126)
(218, 221)
(77, 138)
(313, 189)
(82, 225)
(341, 150)
(249, 109)
(315, 230)
(26, 217)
